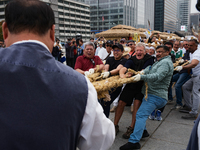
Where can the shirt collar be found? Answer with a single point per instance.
(164, 57)
(177, 50)
(32, 41)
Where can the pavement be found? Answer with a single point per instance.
(172, 133)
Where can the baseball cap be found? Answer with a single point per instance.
(109, 42)
(118, 46)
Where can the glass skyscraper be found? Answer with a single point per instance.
(170, 15)
(159, 15)
(183, 8)
(108, 13)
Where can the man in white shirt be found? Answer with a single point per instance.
(192, 86)
(35, 112)
(99, 48)
(105, 53)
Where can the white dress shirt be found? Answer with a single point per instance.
(196, 55)
(98, 50)
(103, 54)
(97, 132)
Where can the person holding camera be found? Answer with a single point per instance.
(80, 47)
(69, 51)
(152, 38)
(57, 50)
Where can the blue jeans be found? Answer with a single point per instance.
(180, 79)
(153, 102)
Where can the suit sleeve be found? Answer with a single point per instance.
(97, 132)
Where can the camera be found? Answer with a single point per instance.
(74, 42)
(198, 5)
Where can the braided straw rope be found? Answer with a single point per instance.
(104, 85)
(183, 64)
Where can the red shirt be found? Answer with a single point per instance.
(84, 63)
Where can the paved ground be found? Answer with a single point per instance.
(172, 133)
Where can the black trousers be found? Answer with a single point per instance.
(106, 105)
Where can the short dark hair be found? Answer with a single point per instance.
(163, 47)
(194, 40)
(91, 38)
(168, 43)
(81, 40)
(131, 41)
(31, 15)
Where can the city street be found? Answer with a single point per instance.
(172, 133)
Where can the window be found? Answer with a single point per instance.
(61, 13)
(61, 19)
(67, 20)
(67, 14)
(60, 7)
(72, 15)
(66, 2)
(114, 17)
(66, 8)
(114, 11)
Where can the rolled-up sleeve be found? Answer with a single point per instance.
(97, 132)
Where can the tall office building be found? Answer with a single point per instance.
(108, 13)
(183, 11)
(170, 15)
(159, 15)
(195, 21)
(71, 17)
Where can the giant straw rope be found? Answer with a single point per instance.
(103, 86)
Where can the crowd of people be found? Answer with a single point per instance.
(48, 105)
(155, 62)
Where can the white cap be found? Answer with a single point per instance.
(152, 48)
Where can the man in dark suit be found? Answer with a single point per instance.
(41, 106)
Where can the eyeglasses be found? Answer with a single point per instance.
(185, 45)
(116, 50)
(108, 45)
(129, 44)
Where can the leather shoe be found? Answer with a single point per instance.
(130, 146)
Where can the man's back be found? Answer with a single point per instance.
(36, 101)
(41, 106)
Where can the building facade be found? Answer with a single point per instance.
(170, 15)
(108, 13)
(183, 11)
(159, 15)
(195, 21)
(71, 17)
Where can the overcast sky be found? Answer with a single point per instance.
(193, 6)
